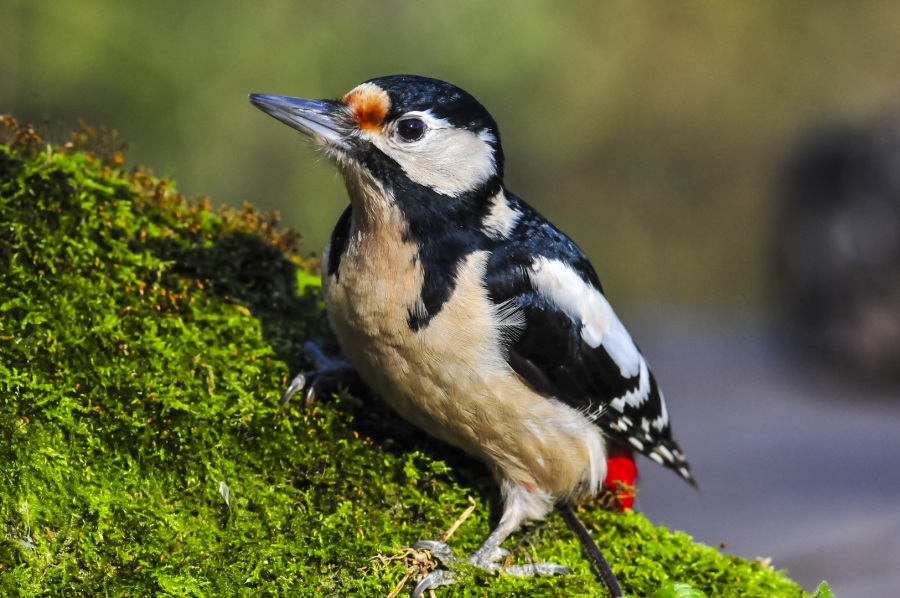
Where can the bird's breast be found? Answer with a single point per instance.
(370, 300)
(451, 377)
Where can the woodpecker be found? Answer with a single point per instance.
(468, 312)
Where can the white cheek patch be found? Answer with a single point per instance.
(451, 161)
(587, 305)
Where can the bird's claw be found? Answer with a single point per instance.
(295, 386)
(328, 376)
(437, 578)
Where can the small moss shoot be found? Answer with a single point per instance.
(144, 342)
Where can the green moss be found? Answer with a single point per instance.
(144, 342)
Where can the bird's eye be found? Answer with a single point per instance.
(411, 129)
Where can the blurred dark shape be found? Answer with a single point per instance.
(838, 248)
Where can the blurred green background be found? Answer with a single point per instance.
(651, 132)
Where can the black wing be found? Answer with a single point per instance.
(573, 347)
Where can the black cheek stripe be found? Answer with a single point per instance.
(446, 229)
(338, 246)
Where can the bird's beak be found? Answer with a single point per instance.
(318, 119)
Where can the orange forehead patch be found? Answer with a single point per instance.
(368, 104)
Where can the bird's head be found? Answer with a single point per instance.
(409, 134)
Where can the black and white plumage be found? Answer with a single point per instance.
(466, 310)
(573, 346)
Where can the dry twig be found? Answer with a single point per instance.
(420, 563)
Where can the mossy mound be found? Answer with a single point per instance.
(143, 347)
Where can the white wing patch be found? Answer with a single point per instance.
(502, 218)
(587, 305)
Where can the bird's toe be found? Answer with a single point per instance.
(532, 569)
(439, 550)
(329, 376)
(489, 561)
(440, 577)
(294, 387)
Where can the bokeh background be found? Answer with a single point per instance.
(660, 136)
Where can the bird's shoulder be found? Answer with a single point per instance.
(539, 271)
(571, 345)
(528, 236)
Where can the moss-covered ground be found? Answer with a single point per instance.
(144, 342)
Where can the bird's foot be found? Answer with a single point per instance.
(493, 563)
(435, 579)
(490, 561)
(441, 552)
(327, 377)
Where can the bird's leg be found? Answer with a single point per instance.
(490, 553)
(328, 376)
(520, 505)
